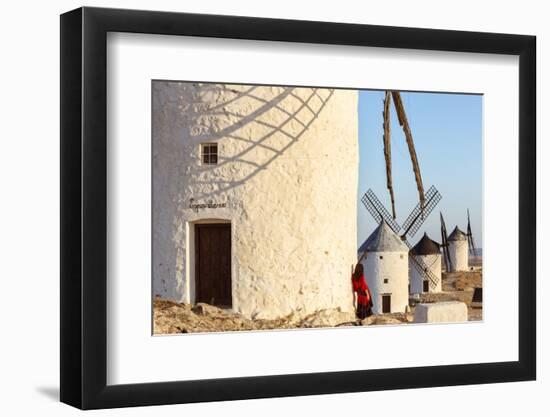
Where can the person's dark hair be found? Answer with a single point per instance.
(358, 272)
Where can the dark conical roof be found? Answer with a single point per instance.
(383, 239)
(457, 234)
(426, 246)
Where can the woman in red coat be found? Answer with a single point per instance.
(361, 293)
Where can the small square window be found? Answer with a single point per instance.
(386, 280)
(209, 153)
(381, 257)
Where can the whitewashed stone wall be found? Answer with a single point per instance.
(458, 251)
(394, 267)
(442, 312)
(433, 263)
(288, 161)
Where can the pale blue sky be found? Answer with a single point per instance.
(447, 132)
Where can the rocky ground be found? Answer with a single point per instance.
(460, 286)
(170, 317)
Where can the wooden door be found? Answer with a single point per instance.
(426, 286)
(386, 303)
(213, 264)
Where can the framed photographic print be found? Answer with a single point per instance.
(257, 207)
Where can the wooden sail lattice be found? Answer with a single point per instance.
(377, 210)
(411, 225)
(417, 216)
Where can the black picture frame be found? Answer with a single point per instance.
(84, 207)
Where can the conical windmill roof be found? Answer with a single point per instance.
(383, 239)
(457, 234)
(426, 246)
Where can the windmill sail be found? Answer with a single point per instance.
(403, 121)
(419, 214)
(413, 222)
(377, 210)
(387, 149)
(471, 244)
(445, 244)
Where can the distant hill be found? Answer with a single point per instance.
(476, 260)
(479, 252)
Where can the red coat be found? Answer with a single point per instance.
(362, 289)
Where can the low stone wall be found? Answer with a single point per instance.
(444, 312)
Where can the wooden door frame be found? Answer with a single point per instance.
(196, 273)
(382, 302)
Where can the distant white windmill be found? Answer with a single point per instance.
(428, 252)
(457, 246)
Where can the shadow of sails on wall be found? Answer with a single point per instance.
(261, 127)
